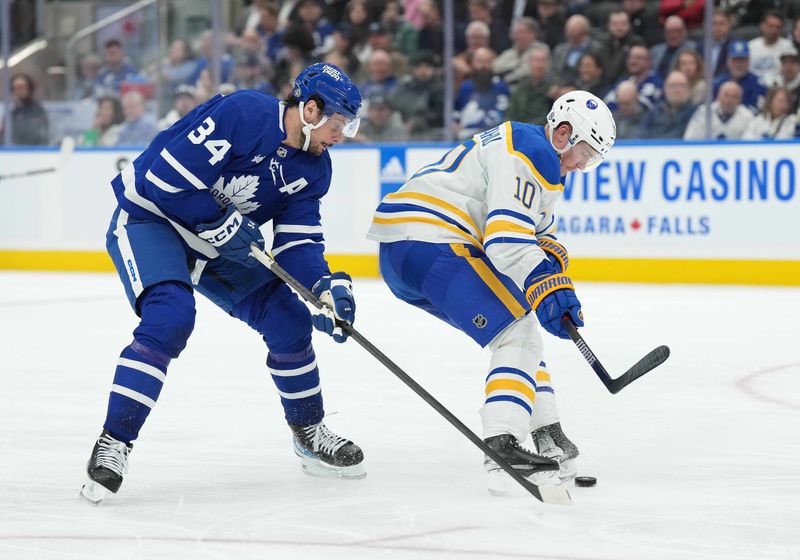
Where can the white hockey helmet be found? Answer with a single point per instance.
(591, 121)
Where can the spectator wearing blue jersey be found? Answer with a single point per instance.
(188, 220)
(309, 14)
(670, 117)
(205, 57)
(116, 69)
(380, 80)
(648, 83)
(482, 101)
(269, 29)
(753, 91)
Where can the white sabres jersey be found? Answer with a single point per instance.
(495, 191)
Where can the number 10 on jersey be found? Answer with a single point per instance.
(218, 148)
(525, 192)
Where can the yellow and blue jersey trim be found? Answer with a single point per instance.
(528, 143)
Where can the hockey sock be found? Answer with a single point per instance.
(297, 378)
(511, 384)
(138, 379)
(545, 412)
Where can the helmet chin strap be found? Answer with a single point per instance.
(308, 127)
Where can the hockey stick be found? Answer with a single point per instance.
(66, 149)
(546, 494)
(652, 360)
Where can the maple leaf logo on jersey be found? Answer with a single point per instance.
(240, 190)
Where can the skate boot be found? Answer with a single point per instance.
(551, 442)
(323, 453)
(539, 470)
(106, 467)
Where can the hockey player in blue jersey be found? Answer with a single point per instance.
(189, 209)
(471, 240)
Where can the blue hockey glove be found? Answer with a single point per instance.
(232, 235)
(336, 292)
(551, 294)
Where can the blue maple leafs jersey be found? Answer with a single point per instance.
(226, 151)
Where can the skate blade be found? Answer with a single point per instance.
(568, 471)
(548, 483)
(315, 467)
(498, 482)
(93, 492)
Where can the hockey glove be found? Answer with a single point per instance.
(555, 252)
(232, 235)
(552, 295)
(336, 292)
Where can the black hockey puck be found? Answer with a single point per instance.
(585, 481)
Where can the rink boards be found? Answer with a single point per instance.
(666, 212)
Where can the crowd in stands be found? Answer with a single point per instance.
(512, 59)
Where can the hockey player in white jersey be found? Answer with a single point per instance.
(471, 239)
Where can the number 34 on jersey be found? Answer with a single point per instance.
(218, 148)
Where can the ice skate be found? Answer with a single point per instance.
(550, 441)
(106, 467)
(539, 470)
(323, 453)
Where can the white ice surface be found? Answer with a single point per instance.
(698, 460)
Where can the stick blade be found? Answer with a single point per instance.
(557, 495)
(652, 360)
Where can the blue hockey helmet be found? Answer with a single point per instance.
(337, 91)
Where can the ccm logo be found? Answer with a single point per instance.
(219, 236)
(131, 270)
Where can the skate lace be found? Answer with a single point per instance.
(325, 440)
(112, 454)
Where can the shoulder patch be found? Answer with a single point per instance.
(529, 143)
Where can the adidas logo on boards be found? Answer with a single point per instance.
(393, 171)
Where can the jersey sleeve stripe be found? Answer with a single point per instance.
(500, 226)
(510, 147)
(506, 239)
(490, 278)
(437, 202)
(297, 228)
(185, 173)
(511, 213)
(277, 250)
(150, 176)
